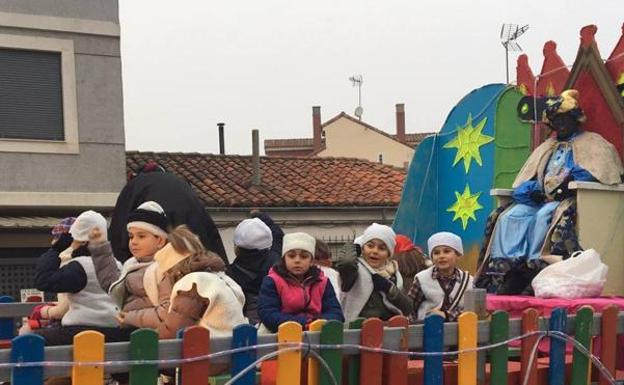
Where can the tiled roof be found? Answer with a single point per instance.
(225, 180)
(414, 139)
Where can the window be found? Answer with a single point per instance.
(37, 95)
(31, 95)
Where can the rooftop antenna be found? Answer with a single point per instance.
(508, 35)
(357, 82)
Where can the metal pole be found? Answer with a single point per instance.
(507, 62)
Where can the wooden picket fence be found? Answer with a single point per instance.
(349, 365)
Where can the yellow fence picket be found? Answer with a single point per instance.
(289, 363)
(467, 339)
(88, 347)
(313, 364)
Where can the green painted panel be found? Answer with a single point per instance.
(512, 140)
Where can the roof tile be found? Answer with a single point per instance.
(225, 180)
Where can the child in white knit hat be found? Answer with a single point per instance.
(296, 289)
(372, 283)
(147, 233)
(90, 308)
(440, 289)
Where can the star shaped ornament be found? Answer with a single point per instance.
(467, 142)
(465, 206)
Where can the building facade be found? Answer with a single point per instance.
(62, 146)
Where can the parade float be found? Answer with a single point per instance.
(479, 150)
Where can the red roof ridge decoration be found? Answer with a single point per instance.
(597, 82)
(524, 75)
(615, 63)
(588, 35)
(554, 72)
(224, 180)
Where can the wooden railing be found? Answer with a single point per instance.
(360, 343)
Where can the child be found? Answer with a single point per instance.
(252, 244)
(90, 308)
(51, 314)
(202, 293)
(147, 233)
(410, 260)
(440, 289)
(295, 289)
(372, 283)
(322, 259)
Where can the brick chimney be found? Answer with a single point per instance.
(316, 127)
(400, 122)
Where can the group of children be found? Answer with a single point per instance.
(172, 281)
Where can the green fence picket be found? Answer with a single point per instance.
(143, 346)
(582, 333)
(331, 334)
(353, 362)
(499, 331)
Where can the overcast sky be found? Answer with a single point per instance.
(263, 64)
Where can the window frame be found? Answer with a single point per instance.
(68, 84)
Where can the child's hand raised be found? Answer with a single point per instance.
(96, 236)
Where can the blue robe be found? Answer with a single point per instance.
(521, 230)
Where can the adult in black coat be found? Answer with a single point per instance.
(177, 198)
(252, 265)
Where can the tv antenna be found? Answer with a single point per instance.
(508, 35)
(357, 81)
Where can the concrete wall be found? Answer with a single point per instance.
(105, 10)
(347, 138)
(97, 161)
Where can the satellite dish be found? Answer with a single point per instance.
(358, 112)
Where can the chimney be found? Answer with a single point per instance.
(400, 122)
(316, 127)
(255, 158)
(221, 138)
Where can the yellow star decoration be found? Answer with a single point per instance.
(467, 142)
(465, 206)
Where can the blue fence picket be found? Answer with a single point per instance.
(27, 348)
(556, 370)
(433, 341)
(7, 325)
(244, 335)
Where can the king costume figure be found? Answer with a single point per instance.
(539, 227)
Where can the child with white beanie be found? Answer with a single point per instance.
(90, 308)
(147, 233)
(296, 289)
(372, 283)
(440, 289)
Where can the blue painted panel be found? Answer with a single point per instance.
(27, 348)
(433, 341)
(419, 199)
(433, 176)
(244, 335)
(556, 370)
(7, 325)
